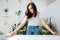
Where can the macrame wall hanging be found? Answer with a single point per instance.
(5, 18)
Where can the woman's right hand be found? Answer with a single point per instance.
(13, 33)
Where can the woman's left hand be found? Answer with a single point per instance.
(54, 33)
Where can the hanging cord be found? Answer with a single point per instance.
(30, 0)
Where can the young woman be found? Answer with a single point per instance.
(34, 20)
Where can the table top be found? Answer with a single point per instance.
(34, 37)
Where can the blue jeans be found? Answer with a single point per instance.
(33, 30)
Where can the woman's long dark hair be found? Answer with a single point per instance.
(28, 13)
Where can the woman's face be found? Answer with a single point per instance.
(31, 9)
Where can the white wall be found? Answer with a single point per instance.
(13, 6)
(53, 10)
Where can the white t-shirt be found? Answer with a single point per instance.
(34, 21)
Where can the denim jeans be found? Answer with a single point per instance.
(33, 30)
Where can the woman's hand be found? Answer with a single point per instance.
(10, 34)
(54, 33)
(13, 33)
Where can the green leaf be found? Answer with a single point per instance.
(18, 13)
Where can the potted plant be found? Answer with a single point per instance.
(18, 13)
(22, 31)
(6, 10)
(1, 33)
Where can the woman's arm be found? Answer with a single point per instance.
(21, 25)
(47, 27)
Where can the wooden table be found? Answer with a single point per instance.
(34, 37)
